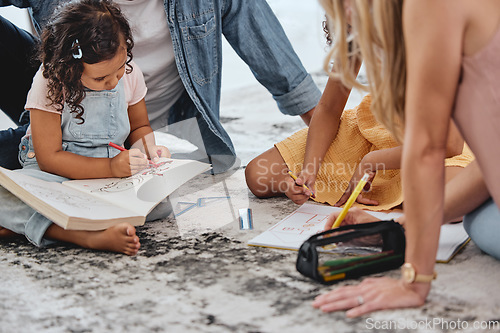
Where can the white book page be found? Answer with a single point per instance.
(451, 239)
(307, 220)
(68, 201)
(144, 190)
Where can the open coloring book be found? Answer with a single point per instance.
(309, 219)
(96, 204)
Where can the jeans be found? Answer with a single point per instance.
(483, 227)
(19, 67)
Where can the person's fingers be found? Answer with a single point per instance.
(160, 151)
(366, 201)
(299, 181)
(137, 160)
(342, 199)
(305, 189)
(134, 152)
(330, 220)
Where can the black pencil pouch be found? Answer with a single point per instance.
(352, 251)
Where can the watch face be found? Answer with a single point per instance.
(408, 273)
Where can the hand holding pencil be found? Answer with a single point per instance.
(135, 159)
(351, 200)
(127, 162)
(299, 192)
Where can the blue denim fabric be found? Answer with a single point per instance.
(106, 119)
(483, 227)
(9, 146)
(16, 55)
(196, 27)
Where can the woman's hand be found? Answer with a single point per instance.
(352, 185)
(354, 216)
(295, 189)
(371, 295)
(128, 162)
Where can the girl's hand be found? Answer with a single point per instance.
(128, 162)
(371, 295)
(354, 216)
(156, 152)
(352, 185)
(296, 191)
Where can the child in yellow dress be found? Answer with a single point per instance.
(361, 145)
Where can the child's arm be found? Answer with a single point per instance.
(323, 129)
(384, 159)
(390, 159)
(141, 134)
(455, 142)
(47, 139)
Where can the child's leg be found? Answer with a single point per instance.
(6, 233)
(266, 175)
(451, 171)
(119, 238)
(18, 218)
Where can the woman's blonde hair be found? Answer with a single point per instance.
(375, 36)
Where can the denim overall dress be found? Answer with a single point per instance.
(106, 119)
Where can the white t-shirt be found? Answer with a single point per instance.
(154, 53)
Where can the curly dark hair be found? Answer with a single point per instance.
(100, 28)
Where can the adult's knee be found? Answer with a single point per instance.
(483, 227)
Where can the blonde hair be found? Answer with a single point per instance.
(375, 36)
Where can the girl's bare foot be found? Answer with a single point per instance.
(119, 238)
(6, 233)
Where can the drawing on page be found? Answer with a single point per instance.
(124, 184)
(82, 202)
(300, 223)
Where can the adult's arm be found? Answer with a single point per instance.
(433, 39)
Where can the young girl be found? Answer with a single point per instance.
(333, 154)
(361, 144)
(427, 62)
(87, 93)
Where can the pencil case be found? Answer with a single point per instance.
(352, 251)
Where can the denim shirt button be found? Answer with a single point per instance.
(23, 147)
(31, 154)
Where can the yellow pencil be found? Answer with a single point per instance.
(350, 201)
(304, 186)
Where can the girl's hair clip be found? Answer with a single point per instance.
(79, 54)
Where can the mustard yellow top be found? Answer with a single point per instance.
(358, 134)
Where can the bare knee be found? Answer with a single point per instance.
(256, 177)
(264, 173)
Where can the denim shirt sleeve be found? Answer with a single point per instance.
(17, 3)
(256, 35)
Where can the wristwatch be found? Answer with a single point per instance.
(409, 274)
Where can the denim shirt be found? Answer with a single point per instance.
(196, 27)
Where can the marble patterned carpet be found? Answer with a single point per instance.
(195, 272)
